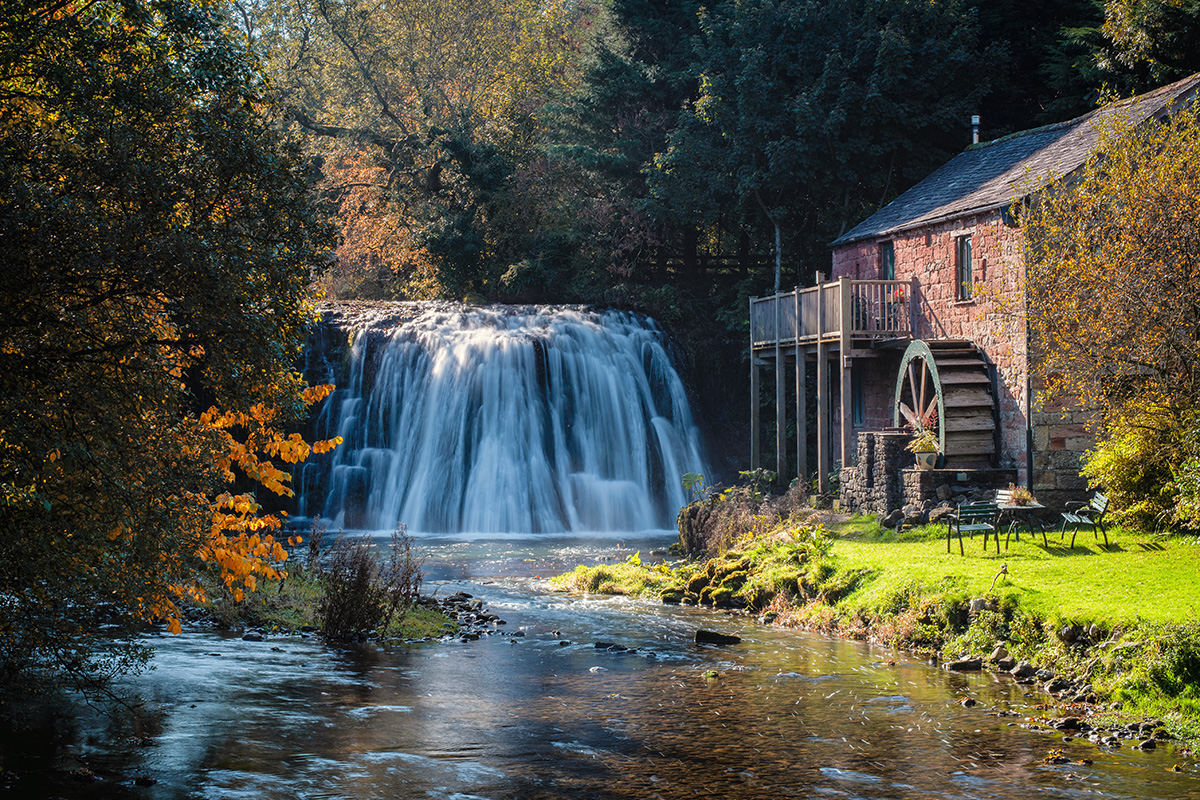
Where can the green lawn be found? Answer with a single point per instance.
(1138, 578)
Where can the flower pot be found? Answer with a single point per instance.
(926, 460)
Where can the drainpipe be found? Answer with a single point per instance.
(1028, 407)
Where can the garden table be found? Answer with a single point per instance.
(1025, 513)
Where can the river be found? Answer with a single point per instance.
(537, 710)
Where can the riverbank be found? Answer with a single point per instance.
(1108, 634)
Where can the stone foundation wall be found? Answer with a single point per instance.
(876, 484)
(885, 479)
(934, 486)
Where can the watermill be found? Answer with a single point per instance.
(945, 385)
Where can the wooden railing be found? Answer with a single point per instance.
(868, 309)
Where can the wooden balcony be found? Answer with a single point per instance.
(844, 310)
(830, 324)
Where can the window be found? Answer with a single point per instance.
(857, 407)
(966, 286)
(887, 261)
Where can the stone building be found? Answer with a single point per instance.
(924, 310)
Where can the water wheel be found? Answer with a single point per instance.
(946, 385)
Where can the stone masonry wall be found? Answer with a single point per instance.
(885, 479)
(933, 486)
(1060, 438)
(876, 485)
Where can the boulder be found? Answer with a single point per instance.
(253, 636)
(1044, 674)
(1023, 669)
(893, 519)
(940, 513)
(943, 492)
(968, 664)
(1006, 664)
(1068, 633)
(712, 637)
(999, 654)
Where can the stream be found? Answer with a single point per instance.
(537, 710)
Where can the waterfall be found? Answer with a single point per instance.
(498, 419)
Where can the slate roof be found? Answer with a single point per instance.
(992, 174)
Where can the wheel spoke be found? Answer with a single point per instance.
(912, 388)
(924, 382)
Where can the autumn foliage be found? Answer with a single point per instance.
(1114, 307)
(157, 235)
(240, 545)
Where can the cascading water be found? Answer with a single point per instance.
(459, 419)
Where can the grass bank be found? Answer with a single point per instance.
(354, 589)
(1118, 626)
(294, 605)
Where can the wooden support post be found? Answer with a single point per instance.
(780, 401)
(914, 307)
(755, 455)
(847, 427)
(822, 394)
(801, 417)
(801, 404)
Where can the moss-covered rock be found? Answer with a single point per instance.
(673, 595)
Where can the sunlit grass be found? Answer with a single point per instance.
(1139, 577)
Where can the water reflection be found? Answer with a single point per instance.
(550, 715)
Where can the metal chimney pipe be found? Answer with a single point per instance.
(974, 129)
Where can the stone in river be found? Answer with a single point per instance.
(712, 637)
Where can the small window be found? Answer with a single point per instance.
(887, 261)
(966, 285)
(857, 407)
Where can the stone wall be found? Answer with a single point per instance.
(876, 484)
(885, 479)
(929, 487)
(1060, 439)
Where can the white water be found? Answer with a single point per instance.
(458, 419)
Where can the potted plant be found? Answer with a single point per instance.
(1020, 495)
(924, 445)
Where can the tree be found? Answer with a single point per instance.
(810, 115)
(423, 111)
(1151, 42)
(1114, 304)
(157, 236)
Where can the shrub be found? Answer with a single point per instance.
(363, 593)
(1149, 465)
(717, 523)
(1171, 667)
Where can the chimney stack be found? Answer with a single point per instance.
(974, 129)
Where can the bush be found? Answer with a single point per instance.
(1171, 665)
(363, 593)
(1149, 465)
(721, 520)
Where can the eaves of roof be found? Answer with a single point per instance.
(993, 175)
